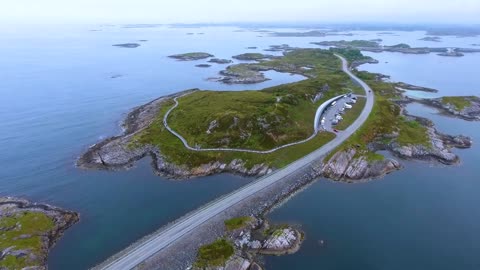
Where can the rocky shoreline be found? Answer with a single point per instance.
(16, 209)
(115, 153)
(374, 46)
(350, 164)
(469, 113)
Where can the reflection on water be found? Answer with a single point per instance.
(65, 88)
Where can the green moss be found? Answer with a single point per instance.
(214, 254)
(237, 223)
(351, 115)
(31, 226)
(459, 103)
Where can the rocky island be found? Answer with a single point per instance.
(191, 56)
(220, 61)
(28, 231)
(203, 65)
(375, 46)
(246, 239)
(127, 45)
(432, 39)
(467, 107)
(252, 56)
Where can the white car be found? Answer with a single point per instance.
(348, 106)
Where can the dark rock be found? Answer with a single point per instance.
(127, 45)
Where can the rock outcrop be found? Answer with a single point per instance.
(345, 165)
(470, 112)
(353, 164)
(22, 212)
(117, 153)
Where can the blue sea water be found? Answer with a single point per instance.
(58, 97)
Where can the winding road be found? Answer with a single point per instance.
(316, 121)
(167, 236)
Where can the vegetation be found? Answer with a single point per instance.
(350, 44)
(237, 223)
(384, 119)
(252, 119)
(351, 115)
(24, 231)
(191, 56)
(459, 103)
(250, 56)
(352, 55)
(214, 254)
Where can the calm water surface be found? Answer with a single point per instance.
(58, 97)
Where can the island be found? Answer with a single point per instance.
(313, 33)
(191, 56)
(203, 65)
(246, 239)
(252, 56)
(375, 46)
(127, 45)
(432, 39)
(279, 48)
(464, 107)
(220, 61)
(271, 132)
(29, 231)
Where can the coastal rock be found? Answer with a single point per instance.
(470, 109)
(344, 165)
(127, 45)
(191, 56)
(439, 150)
(203, 65)
(117, 152)
(220, 61)
(282, 241)
(406, 86)
(252, 56)
(35, 257)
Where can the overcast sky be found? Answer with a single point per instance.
(218, 11)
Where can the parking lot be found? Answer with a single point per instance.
(334, 114)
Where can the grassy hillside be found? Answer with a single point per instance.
(258, 120)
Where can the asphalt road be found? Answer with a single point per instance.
(183, 226)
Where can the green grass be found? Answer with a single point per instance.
(249, 56)
(237, 223)
(352, 114)
(214, 254)
(259, 120)
(459, 103)
(412, 132)
(384, 119)
(33, 224)
(13, 263)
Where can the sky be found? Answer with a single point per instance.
(224, 11)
